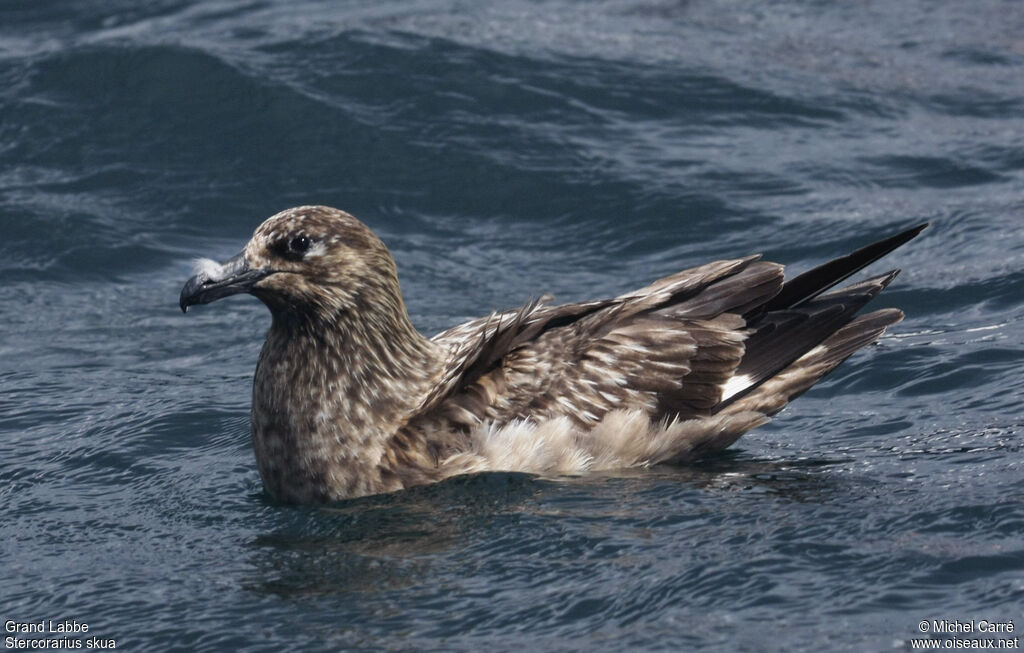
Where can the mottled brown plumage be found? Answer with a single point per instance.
(349, 399)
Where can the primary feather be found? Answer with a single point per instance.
(349, 399)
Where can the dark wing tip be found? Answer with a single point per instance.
(812, 283)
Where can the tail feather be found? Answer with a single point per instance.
(780, 337)
(773, 395)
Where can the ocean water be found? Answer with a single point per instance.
(503, 150)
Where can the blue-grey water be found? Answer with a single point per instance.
(503, 150)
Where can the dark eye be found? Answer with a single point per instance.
(299, 244)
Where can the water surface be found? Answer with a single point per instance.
(501, 152)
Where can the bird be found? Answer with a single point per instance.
(349, 399)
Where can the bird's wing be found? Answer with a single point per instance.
(698, 358)
(666, 348)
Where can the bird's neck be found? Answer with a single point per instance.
(329, 392)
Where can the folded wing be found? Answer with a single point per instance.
(725, 339)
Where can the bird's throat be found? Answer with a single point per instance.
(326, 398)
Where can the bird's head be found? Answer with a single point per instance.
(309, 260)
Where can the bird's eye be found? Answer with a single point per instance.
(300, 244)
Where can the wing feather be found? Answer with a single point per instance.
(672, 371)
(667, 348)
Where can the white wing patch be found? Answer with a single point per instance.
(740, 382)
(735, 385)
